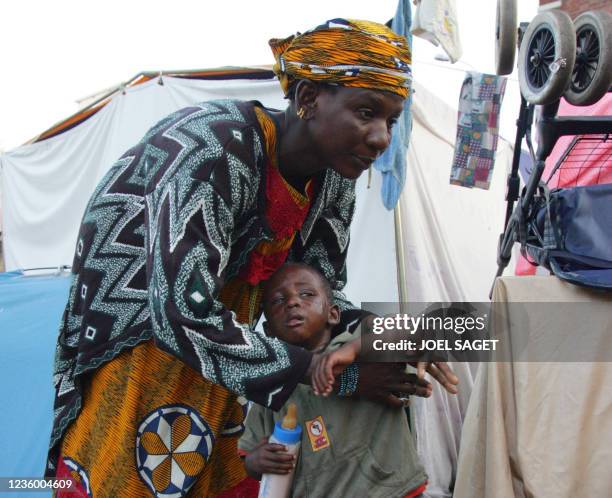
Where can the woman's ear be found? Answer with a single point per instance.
(306, 93)
(333, 317)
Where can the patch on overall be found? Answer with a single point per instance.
(317, 434)
(173, 444)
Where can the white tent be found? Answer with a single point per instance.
(447, 235)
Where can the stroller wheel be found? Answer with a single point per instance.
(546, 57)
(592, 74)
(505, 36)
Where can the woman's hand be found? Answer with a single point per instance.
(424, 361)
(268, 458)
(440, 371)
(390, 384)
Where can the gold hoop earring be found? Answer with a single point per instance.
(300, 113)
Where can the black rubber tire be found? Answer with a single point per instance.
(505, 36)
(594, 30)
(539, 82)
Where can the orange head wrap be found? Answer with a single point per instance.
(345, 52)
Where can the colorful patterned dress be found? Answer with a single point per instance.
(157, 339)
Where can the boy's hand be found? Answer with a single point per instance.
(269, 458)
(325, 367)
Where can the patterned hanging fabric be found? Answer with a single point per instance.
(477, 130)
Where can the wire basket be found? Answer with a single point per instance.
(587, 161)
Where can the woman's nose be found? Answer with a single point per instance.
(379, 136)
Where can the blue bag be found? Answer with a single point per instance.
(569, 231)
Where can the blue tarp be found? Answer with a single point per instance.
(31, 308)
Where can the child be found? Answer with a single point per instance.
(349, 447)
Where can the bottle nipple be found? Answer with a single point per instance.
(290, 419)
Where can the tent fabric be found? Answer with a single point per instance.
(450, 246)
(30, 311)
(98, 101)
(449, 232)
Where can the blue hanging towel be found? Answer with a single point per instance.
(392, 163)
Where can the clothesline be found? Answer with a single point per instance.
(455, 68)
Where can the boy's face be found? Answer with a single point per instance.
(297, 308)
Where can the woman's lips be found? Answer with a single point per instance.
(365, 161)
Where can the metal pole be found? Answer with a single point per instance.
(402, 287)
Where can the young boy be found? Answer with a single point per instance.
(349, 447)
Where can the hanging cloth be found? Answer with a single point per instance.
(436, 22)
(392, 163)
(477, 129)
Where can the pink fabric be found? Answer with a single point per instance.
(248, 488)
(77, 490)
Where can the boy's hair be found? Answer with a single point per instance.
(324, 282)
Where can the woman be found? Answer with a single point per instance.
(157, 336)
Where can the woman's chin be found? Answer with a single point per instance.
(350, 173)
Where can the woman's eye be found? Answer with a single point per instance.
(277, 300)
(307, 293)
(366, 113)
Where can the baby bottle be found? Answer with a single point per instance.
(289, 434)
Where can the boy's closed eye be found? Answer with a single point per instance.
(278, 299)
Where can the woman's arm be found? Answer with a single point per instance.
(209, 180)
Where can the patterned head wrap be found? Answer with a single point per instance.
(345, 52)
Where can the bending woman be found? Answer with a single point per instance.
(157, 339)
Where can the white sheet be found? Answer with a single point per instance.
(451, 241)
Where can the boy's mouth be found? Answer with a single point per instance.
(294, 321)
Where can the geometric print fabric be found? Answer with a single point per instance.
(173, 444)
(172, 220)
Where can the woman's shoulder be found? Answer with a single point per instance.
(210, 129)
(236, 112)
(231, 115)
(204, 118)
(216, 141)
